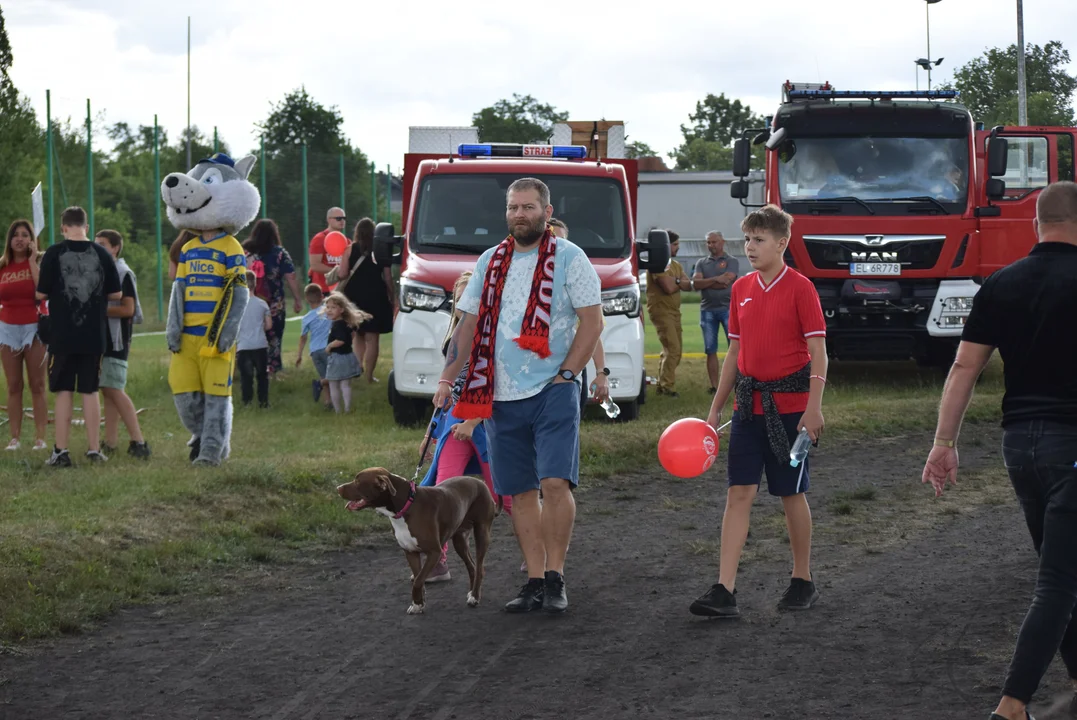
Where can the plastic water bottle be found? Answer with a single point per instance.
(611, 408)
(800, 448)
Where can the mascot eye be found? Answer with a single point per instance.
(209, 180)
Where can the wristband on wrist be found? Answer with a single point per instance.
(944, 443)
(445, 382)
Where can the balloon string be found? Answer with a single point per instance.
(723, 427)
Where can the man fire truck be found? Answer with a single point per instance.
(901, 205)
(454, 209)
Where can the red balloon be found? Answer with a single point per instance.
(688, 447)
(335, 243)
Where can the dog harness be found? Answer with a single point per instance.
(411, 499)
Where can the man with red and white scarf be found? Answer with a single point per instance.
(518, 334)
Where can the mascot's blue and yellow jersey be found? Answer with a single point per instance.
(203, 268)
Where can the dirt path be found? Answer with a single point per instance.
(907, 628)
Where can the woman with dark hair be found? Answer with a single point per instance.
(263, 245)
(19, 343)
(371, 290)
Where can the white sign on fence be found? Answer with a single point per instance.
(39, 211)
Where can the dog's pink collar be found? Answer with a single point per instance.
(411, 499)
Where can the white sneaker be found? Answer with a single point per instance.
(14, 444)
(40, 445)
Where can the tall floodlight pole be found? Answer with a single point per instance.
(188, 92)
(1022, 91)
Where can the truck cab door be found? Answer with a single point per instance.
(1035, 158)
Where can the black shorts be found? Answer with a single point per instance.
(749, 455)
(74, 372)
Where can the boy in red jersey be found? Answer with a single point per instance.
(776, 366)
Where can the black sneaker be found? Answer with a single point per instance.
(801, 595)
(716, 602)
(529, 599)
(196, 449)
(59, 458)
(108, 449)
(712, 390)
(996, 716)
(96, 456)
(554, 599)
(316, 389)
(139, 450)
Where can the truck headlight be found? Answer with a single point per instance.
(621, 301)
(957, 305)
(420, 296)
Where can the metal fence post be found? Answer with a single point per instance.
(51, 222)
(157, 206)
(265, 207)
(89, 167)
(374, 192)
(306, 216)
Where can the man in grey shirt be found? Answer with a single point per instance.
(714, 276)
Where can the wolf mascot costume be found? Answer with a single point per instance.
(208, 297)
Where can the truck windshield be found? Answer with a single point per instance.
(875, 169)
(458, 214)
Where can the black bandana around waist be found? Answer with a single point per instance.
(798, 382)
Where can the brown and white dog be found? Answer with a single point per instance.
(424, 518)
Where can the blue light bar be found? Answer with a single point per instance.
(917, 94)
(525, 151)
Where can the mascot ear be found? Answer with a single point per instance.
(245, 165)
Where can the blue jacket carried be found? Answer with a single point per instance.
(440, 430)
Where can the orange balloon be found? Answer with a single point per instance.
(335, 243)
(688, 447)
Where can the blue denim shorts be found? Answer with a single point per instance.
(709, 320)
(535, 438)
(320, 358)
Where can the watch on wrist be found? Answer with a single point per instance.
(567, 374)
(604, 371)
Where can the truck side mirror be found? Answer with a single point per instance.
(742, 157)
(996, 188)
(657, 248)
(738, 189)
(997, 152)
(384, 241)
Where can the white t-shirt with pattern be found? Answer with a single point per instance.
(519, 373)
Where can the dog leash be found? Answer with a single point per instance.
(426, 445)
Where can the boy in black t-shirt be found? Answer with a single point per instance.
(122, 316)
(78, 278)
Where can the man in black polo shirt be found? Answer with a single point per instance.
(1029, 312)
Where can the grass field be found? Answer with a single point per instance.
(77, 544)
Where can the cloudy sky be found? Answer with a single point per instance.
(395, 63)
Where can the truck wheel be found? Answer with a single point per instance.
(629, 412)
(405, 409)
(938, 354)
(583, 392)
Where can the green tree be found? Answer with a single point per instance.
(296, 119)
(708, 141)
(520, 120)
(637, 149)
(988, 85)
(22, 147)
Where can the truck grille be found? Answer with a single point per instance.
(836, 253)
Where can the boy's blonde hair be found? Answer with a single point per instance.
(353, 316)
(461, 282)
(769, 217)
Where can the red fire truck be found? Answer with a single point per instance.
(902, 204)
(454, 209)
